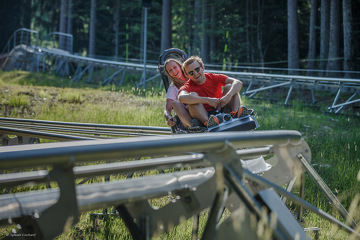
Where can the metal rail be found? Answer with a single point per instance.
(214, 158)
(89, 126)
(22, 36)
(268, 82)
(39, 134)
(42, 176)
(66, 64)
(65, 153)
(26, 130)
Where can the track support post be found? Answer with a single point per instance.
(61, 216)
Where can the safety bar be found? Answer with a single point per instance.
(24, 156)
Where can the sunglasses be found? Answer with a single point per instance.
(191, 73)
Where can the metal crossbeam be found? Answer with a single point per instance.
(325, 189)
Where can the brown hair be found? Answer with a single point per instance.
(174, 80)
(190, 60)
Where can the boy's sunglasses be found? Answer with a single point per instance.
(191, 73)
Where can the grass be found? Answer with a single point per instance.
(18, 101)
(334, 140)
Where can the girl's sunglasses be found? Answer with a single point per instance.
(191, 73)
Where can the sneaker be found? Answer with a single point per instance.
(243, 111)
(212, 122)
(196, 126)
(234, 114)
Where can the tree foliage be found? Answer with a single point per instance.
(252, 33)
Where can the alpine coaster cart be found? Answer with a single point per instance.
(245, 123)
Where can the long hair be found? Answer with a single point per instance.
(178, 83)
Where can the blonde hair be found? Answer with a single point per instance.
(190, 60)
(175, 81)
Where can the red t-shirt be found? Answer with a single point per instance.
(211, 88)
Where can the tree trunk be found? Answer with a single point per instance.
(334, 63)
(166, 25)
(260, 33)
(196, 30)
(70, 42)
(189, 21)
(293, 42)
(248, 31)
(69, 16)
(324, 35)
(92, 30)
(252, 35)
(26, 13)
(62, 27)
(204, 29)
(116, 27)
(141, 49)
(312, 37)
(212, 32)
(349, 61)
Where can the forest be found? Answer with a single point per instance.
(320, 37)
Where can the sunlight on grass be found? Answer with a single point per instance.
(70, 96)
(18, 101)
(44, 94)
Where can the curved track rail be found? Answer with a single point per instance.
(30, 131)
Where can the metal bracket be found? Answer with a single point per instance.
(7, 141)
(226, 156)
(61, 216)
(188, 202)
(218, 205)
